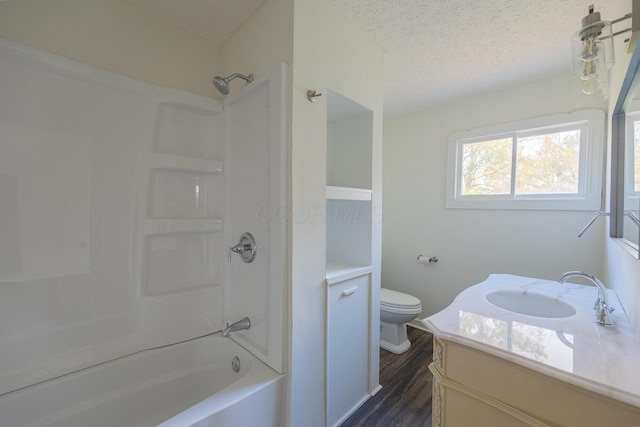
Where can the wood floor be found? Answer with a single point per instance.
(405, 398)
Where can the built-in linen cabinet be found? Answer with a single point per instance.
(348, 331)
(349, 213)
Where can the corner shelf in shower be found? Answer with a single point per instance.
(348, 193)
(173, 163)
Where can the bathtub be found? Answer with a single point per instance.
(187, 384)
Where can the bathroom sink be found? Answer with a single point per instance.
(531, 304)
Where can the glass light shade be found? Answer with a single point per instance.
(592, 58)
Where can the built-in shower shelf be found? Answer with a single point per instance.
(192, 225)
(184, 163)
(347, 193)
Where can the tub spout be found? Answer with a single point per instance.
(237, 326)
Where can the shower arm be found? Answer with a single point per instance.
(247, 78)
(222, 83)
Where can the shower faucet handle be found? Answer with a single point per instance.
(247, 248)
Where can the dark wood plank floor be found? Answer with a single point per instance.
(405, 398)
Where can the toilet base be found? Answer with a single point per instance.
(393, 337)
(397, 349)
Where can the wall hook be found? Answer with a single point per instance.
(312, 95)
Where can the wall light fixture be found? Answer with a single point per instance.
(592, 47)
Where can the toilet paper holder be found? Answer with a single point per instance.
(423, 259)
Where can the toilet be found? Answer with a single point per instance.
(396, 310)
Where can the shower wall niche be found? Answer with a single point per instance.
(183, 222)
(180, 216)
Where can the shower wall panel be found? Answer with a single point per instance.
(110, 216)
(256, 202)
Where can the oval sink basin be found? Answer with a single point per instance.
(531, 304)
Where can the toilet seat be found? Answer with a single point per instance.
(398, 302)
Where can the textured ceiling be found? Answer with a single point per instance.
(438, 50)
(435, 50)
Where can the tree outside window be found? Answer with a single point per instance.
(547, 163)
(543, 163)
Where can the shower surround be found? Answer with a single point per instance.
(118, 202)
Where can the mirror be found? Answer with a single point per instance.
(625, 160)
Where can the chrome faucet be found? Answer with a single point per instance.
(237, 326)
(601, 308)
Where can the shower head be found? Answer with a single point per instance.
(222, 83)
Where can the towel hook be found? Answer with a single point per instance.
(312, 95)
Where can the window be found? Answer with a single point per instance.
(524, 163)
(552, 162)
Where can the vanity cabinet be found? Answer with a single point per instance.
(471, 387)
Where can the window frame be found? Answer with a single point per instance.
(591, 164)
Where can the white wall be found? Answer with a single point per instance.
(117, 36)
(329, 53)
(323, 50)
(471, 244)
(264, 41)
(260, 45)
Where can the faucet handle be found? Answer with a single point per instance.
(237, 249)
(247, 248)
(596, 304)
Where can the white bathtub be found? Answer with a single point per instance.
(186, 384)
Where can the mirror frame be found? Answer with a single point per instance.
(618, 132)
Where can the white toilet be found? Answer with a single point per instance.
(396, 310)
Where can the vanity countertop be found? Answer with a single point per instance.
(573, 349)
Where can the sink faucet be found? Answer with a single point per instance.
(601, 307)
(237, 326)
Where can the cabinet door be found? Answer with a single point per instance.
(348, 338)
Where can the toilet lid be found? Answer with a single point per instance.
(391, 298)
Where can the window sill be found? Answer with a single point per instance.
(568, 204)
